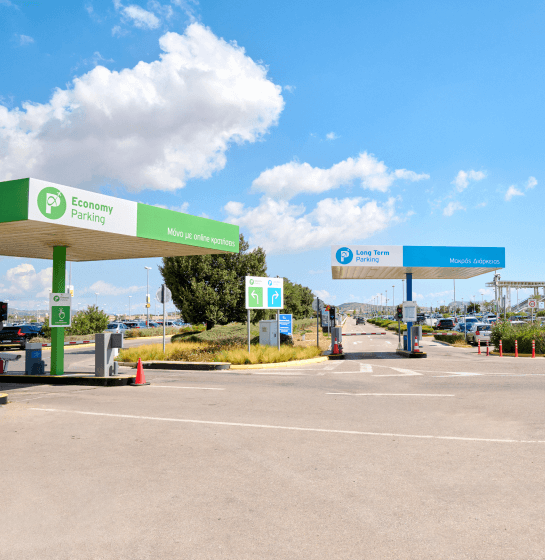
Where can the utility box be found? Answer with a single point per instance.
(34, 365)
(268, 333)
(417, 331)
(106, 349)
(336, 333)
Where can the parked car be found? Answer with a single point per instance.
(445, 324)
(117, 327)
(153, 324)
(463, 327)
(479, 331)
(17, 336)
(136, 324)
(360, 321)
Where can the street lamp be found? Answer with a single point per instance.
(96, 303)
(393, 295)
(148, 268)
(386, 301)
(130, 317)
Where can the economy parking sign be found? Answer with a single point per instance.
(60, 314)
(264, 293)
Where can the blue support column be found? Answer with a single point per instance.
(409, 277)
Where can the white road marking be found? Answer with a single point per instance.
(390, 394)
(387, 342)
(292, 428)
(403, 373)
(366, 368)
(177, 387)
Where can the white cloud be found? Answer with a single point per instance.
(117, 31)
(156, 125)
(481, 205)
(182, 208)
(331, 136)
(106, 289)
(291, 89)
(287, 180)
(451, 207)
(322, 294)
(511, 192)
(531, 183)
(25, 40)
(138, 16)
(315, 271)
(281, 227)
(462, 179)
(23, 280)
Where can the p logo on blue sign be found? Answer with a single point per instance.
(344, 255)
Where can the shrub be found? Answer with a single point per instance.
(88, 321)
(451, 338)
(524, 334)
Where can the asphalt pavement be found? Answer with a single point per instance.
(372, 457)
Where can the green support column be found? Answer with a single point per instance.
(57, 333)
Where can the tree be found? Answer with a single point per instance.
(297, 300)
(473, 308)
(210, 288)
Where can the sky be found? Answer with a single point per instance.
(308, 124)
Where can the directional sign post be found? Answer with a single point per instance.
(164, 295)
(264, 293)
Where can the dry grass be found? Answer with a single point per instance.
(216, 352)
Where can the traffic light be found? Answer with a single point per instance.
(332, 313)
(3, 310)
(399, 313)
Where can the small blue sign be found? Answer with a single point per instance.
(274, 298)
(285, 324)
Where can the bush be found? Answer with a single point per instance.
(450, 338)
(524, 334)
(89, 321)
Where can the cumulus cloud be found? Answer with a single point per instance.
(281, 227)
(287, 180)
(331, 136)
(155, 126)
(531, 183)
(24, 280)
(106, 289)
(324, 295)
(291, 89)
(451, 207)
(461, 181)
(511, 192)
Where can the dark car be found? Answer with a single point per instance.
(18, 336)
(360, 321)
(445, 324)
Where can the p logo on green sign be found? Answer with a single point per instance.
(52, 203)
(56, 298)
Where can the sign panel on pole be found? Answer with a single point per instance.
(159, 295)
(409, 311)
(542, 305)
(532, 303)
(60, 314)
(286, 324)
(264, 293)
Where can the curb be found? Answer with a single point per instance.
(3, 398)
(407, 354)
(202, 366)
(70, 379)
(282, 364)
(512, 354)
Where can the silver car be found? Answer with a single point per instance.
(479, 331)
(117, 328)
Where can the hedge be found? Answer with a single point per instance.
(524, 334)
(451, 338)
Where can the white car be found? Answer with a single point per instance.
(117, 328)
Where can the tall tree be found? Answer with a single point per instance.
(210, 288)
(297, 300)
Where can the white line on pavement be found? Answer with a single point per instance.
(293, 428)
(366, 368)
(390, 394)
(402, 373)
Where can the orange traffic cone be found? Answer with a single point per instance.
(336, 348)
(140, 378)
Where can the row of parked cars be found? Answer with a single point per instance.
(18, 334)
(123, 326)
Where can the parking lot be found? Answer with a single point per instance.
(372, 457)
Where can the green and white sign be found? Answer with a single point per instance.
(60, 312)
(264, 293)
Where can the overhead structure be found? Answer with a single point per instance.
(508, 285)
(44, 220)
(375, 262)
(372, 262)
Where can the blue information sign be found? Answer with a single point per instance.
(285, 324)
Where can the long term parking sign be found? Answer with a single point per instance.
(264, 293)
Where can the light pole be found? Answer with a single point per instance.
(386, 301)
(393, 296)
(148, 268)
(130, 317)
(96, 303)
(402, 291)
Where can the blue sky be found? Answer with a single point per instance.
(306, 123)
